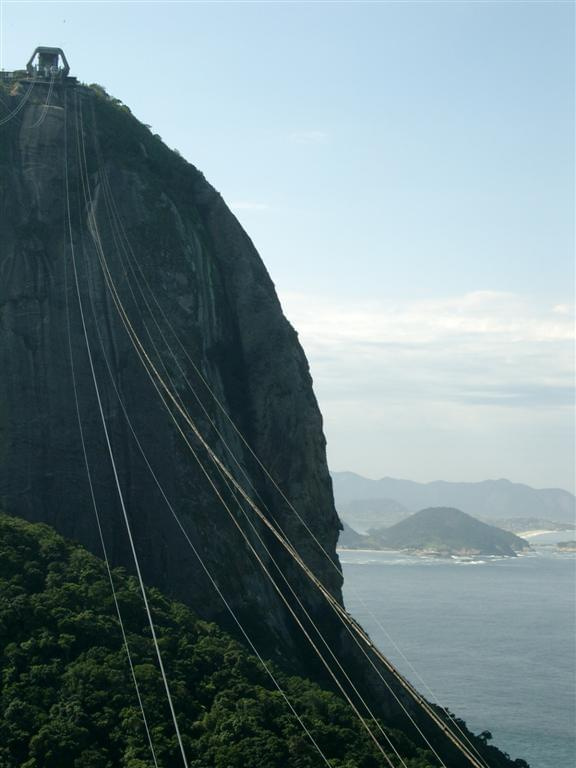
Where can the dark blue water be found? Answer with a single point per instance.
(494, 641)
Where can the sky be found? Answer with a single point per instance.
(406, 172)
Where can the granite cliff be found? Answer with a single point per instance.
(213, 289)
(81, 178)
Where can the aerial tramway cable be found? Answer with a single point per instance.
(194, 548)
(184, 532)
(114, 216)
(97, 516)
(21, 104)
(46, 103)
(277, 567)
(114, 469)
(153, 373)
(140, 349)
(151, 368)
(126, 247)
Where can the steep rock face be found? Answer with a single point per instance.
(204, 307)
(103, 227)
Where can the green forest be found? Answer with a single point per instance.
(68, 699)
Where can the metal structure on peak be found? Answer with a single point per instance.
(48, 63)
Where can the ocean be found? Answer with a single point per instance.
(494, 640)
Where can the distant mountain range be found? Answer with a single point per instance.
(441, 531)
(365, 503)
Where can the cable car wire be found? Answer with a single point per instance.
(97, 514)
(139, 349)
(20, 106)
(153, 373)
(131, 261)
(115, 474)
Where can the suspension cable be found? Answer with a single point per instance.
(97, 514)
(127, 248)
(138, 347)
(113, 463)
(153, 373)
(255, 531)
(191, 543)
(21, 104)
(46, 103)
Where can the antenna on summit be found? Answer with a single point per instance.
(47, 63)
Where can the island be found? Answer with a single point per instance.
(441, 532)
(566, 546)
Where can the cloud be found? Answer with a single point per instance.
(249, 205)
(481, 348)
(308, 137)
(563, 309)
(462, 388)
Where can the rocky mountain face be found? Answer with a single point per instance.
(118, 258)
(201, 301)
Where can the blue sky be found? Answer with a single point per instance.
(406, 171)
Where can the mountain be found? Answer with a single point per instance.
(146, 235)
(448, 531)
(489, 499)
(151, 388)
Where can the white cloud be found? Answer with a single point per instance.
(467, 387)
(482, 347)
(563, 309)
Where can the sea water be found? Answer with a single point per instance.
(491, 639)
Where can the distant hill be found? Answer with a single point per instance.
(489, 499)
(449, 531)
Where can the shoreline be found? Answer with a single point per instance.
(426, 553)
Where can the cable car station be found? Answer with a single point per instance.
(45, 65)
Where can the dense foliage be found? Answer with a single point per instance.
(444, 530)
(67, 699)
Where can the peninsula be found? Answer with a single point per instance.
(440, 531)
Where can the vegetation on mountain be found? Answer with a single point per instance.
(445, 530)
(442, 531)
(67, 699)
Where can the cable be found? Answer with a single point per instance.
(115, 473)
(151, 368)
(193, 547)
(252, 526)
(97, 514)
(130, 255)
(138, 345)
(20, 106)
(46, 104)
